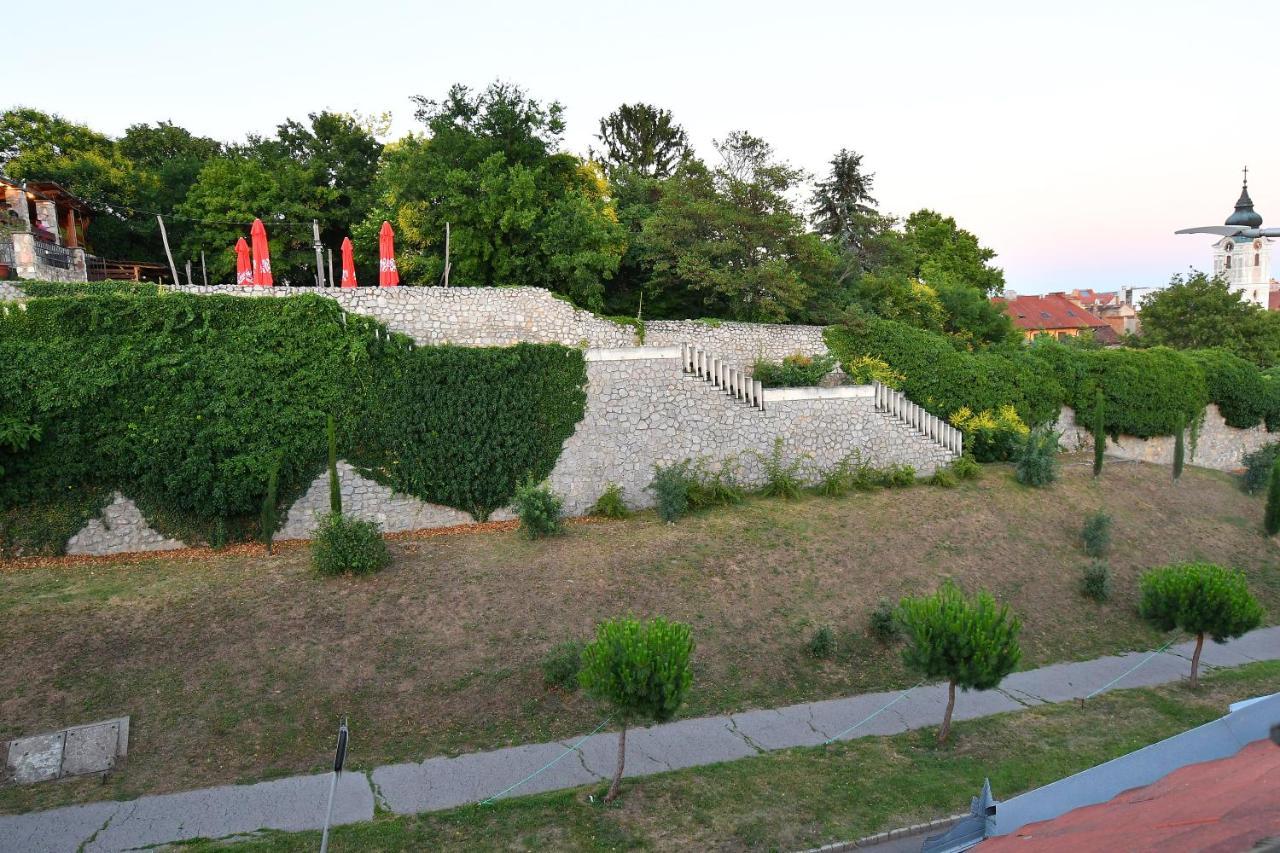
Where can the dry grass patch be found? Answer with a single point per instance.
(236, 667)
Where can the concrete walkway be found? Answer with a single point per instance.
(440, 783)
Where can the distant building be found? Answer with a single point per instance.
(1054, 314)
(1245, 262)
(1110, 307)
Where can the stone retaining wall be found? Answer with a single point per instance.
(119, 529)
(1218, 445)
(741, 344)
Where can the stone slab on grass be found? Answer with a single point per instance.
(91, 748)
(35, 759)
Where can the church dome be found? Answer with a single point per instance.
(1244, 215)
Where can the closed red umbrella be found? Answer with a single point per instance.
(388, 275)
(244, 266)
(348, 264)
(261, 255)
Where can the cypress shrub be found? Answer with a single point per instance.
(1099, 432)
(1257, 468)
(269, 520)
(335, 487)
(1036, 463)
(1179, 451)
(1271, 521)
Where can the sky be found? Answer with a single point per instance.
(1072, 140)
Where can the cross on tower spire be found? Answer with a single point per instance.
(1246, 176)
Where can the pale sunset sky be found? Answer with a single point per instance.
(1073, 140)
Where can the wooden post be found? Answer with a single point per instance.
(315, 235)
(164, 236)
(329, 252)
(189, 281)
(446, 254)
(204, 271)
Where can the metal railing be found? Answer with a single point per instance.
(894, 403)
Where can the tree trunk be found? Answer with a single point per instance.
(1195, 661)
(945, 731)
(615, 788)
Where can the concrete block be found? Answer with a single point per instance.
(35, 759)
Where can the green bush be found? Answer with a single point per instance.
(710, 487)
(884, 622)
(794, 371)
(560, 665)
(970, 642)
(822, 643)
(899, 476)
(1096, 534)
(991, 436)
(1235, 385)
(270, 519)
(1095, 583)
(1257, 468)
(46, 289)
(838, 481)
(539, 509)
(1036, 462)
(346, 545)
(1271, 519)
(670, 486)
(641, 670)
(610, 504)
(781, 479)
(1201, 599)
(182, 402)
(944, 477)
(966, 468)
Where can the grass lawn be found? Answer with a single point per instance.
(236, 667)
(802, 798)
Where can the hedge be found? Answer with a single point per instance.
(944, 379)
(1235, 385)
(43, 289)
(183, 402)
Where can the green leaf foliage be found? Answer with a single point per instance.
(346, 545)
(1036, 461)
(1236, 386)
(1199, 598)
(1257, 468)
(794, 371)
(185, 403)
(1271, 521)
(641, 669)
(971, 641)
(539, 509)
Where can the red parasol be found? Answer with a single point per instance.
(244, 266)
(261, 255)
(388, 275)
(348, 264)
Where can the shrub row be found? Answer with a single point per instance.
(185, 403)
(1147, 392)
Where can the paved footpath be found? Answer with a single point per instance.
(298, 803)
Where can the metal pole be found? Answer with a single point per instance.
(315, 234)
(328, 814)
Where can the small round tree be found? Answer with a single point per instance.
(1271, 521)
(1199, 598)
(972, 643)
(641, 670)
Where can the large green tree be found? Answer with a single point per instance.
(844, 211)
(642, 138)
(521, 211)
(729, 241)
(1196, 311)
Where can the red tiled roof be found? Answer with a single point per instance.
(1219, 806)
(1090, 298)
(1051, 311)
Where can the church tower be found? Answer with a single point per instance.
(1245, 262)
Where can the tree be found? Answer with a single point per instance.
(643, 139)
(971, 643)
(728, 242)
(1099, 432)
(1271, 521)
(641, 670)
(844, 211)
(938, 249)
(1199, 598)
(1199, 312)
(521, 211)
(1179, 450)
(335, 487)
(270, 519)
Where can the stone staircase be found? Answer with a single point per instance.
(700, 364)
(896, 405)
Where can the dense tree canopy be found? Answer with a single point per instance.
(1197, 311)
(643, 139)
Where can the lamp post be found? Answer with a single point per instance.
(339, 758)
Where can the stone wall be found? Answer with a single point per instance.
(643, 410)
(369, 500)
(741, 344)
(1217, 446)
(119, 529)
(468, 316)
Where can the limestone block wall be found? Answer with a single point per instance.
(741, 344)
(1218, 446)
(367, 499)
(10, 293)
(119, 529)
(643, 410)
(467, 316)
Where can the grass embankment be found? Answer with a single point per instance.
(802, 798)
(236, 668)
